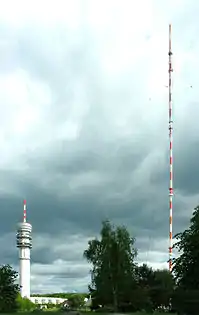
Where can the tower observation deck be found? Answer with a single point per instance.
(24, 243)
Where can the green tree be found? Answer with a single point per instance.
(185, 267)
(145, 275)
(156, 286)
(112, 258)
(162, 288)
(8, 289)
(141, 300)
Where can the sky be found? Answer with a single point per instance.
(84, 128)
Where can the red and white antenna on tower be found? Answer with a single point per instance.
(24, 211)
(170, 155)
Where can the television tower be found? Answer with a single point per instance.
(24, 243)
(170, 154)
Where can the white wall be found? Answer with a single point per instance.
(46, 300)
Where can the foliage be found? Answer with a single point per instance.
(162, 289)
(24, 304)
(186, 301)
(186, 268)
(76, 301)
(112, 258)
(145, 276)
(158, 284)
(8, 289)
(141, 300)
(117, 282)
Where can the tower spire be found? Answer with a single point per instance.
(24, 211)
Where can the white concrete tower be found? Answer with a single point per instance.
(24, 243)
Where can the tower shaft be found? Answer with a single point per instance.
(24, 272)
(24, 243)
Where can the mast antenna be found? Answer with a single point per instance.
(24, 211)
(170, 155)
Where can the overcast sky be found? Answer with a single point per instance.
(84, 128)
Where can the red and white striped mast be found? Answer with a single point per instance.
(170, 155)
(24, 211)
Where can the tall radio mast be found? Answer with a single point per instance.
(170, 154)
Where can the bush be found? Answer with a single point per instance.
(76, 301)
(24, 304)
(186, 301)
(51, 306)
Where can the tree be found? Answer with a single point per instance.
(145, 276)
(8, 289)
(155, 285)
(162, 288)
(112, 258)
(185, 267)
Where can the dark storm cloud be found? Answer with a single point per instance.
(61, 270)
(8, 253)
(186, 154)
(84, 210)
(65, 246)
(187, 171)
(47, 213)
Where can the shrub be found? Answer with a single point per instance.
(24, 304)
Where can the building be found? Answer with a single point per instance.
(24, 244)
(46, 300)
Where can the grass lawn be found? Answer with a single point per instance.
(89, 313)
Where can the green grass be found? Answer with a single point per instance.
(89, 313)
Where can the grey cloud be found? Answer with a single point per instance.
(8, 249)
(61, 269)
(53, 284)
(64, 246)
